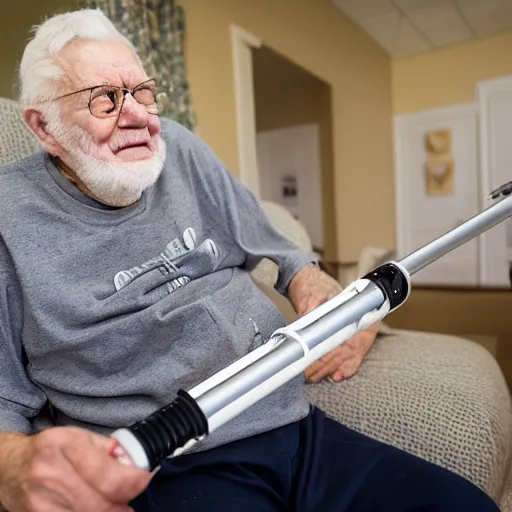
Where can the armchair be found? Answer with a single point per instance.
(440, 397)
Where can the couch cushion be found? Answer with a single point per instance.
(439, 397)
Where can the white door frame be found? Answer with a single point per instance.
(242, 43)
(482, 91)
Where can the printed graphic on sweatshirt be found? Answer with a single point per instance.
(181, 257)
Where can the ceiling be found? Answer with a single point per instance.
(407, 27)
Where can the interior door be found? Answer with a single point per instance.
(424, 214)
(495, 98)
(289, 166)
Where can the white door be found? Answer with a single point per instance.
(423, 215)
(495, 97)
(289, 165)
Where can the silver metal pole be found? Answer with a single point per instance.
(226, 394)
(458, 236)
(247, 380)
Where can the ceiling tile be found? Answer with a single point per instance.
(487, 17)
(406, 30)
(482, 6)
(426, 14)
(408, 46)
(492, 24)
(383, 28)
(421, 4)
(448, 34)
(360, 9)
(406, 27)
(395, 34)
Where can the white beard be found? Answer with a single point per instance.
(112, 183)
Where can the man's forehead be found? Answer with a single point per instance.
(104, 62)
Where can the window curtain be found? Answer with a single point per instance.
(157, 30)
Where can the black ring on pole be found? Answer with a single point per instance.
(392, 281)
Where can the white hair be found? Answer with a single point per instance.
(39, 70)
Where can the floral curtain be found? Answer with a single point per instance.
(157, 30)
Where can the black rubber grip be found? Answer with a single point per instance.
(170, 428)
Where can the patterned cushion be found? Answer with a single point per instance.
(16, 140)
(439, 397)
(283, 222)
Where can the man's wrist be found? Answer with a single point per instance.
(12, 449)
(303, 274)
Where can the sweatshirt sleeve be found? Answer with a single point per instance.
(20, 398)
(246, 221)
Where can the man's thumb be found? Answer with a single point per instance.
(104, 443)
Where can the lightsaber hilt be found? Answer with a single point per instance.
(171, 431)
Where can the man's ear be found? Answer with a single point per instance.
(35, 121)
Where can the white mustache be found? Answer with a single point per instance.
(131, 139)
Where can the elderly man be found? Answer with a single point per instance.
(125, 253)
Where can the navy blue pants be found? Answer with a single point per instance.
(312, 465)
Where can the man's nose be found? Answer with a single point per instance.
(133, 114)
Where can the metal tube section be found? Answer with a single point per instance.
(291, 357)
(468, 230)
(354, 310)
(239, 384)
(308, 341)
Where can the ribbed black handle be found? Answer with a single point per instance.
(170, 428)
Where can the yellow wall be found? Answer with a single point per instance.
(449, 76)
(16, 19)
(313, 34)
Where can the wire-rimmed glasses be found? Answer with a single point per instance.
(107, 100)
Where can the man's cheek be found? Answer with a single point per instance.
(154, 126)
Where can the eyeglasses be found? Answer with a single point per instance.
(108, 100)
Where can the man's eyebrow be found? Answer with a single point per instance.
(90, 85)
(106, 83)
(140, 82)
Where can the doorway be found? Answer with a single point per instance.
(293, 121)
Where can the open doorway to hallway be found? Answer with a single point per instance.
(293, 116)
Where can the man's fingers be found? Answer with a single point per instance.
(325, 370)
(322, 373)
(314, 302)
(318, 365)
(111, 479)
(310, 370)
(104, 443)
(338, 375)
(63, 490)
(335, 361)
(305, 306)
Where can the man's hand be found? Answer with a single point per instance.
(308, 289)
(344, 361)
(311, 287)
(65, 469)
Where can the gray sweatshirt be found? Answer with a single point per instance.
(106, 313)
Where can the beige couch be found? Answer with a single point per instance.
(439, 397)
